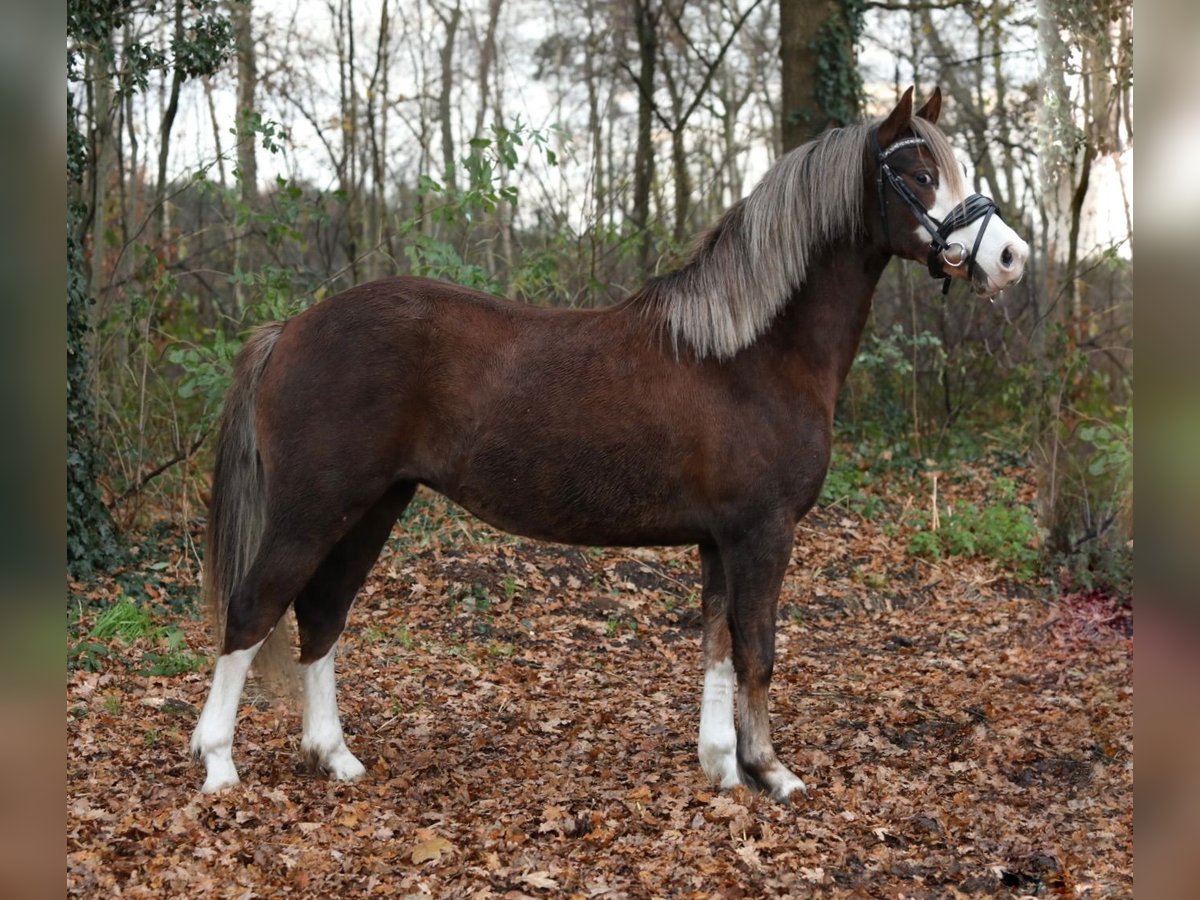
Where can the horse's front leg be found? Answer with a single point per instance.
(755, 563)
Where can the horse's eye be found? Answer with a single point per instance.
(924, 179)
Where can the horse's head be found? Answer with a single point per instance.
(923, 211)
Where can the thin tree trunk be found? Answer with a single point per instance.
(487, 59)
(351, 124)
(1077, 200)
(645, 16)
(100, 165)
(679, 162)
(610, 162)
(247, 162)
(215, 302)
(683, 186)
(451, 22)
(168, 123)
(681, 113)
(376, 210)
(424, 127)
(133, 175)
(595, 132)
(240, 14)
(350, 224)
(216, 130)
(1007, 163)
(385, 219)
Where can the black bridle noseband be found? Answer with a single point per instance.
(970, 210)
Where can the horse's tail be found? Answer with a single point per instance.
(237, 510)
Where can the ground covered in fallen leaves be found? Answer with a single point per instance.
(527, 714)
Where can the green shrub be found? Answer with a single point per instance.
(1004, 532)
(878, 400)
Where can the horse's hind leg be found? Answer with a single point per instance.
(718, 736)
(300, 531)
(256, 605)
(321, 610)
(212, 741)
(755, 564)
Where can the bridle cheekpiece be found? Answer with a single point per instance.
(970, 210)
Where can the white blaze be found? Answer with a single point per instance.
(1002, 253)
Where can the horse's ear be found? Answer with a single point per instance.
(897, 120)
(932, 108)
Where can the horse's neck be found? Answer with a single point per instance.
(824, 319)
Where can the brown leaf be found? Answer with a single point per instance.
(540, 879)
(430, 849)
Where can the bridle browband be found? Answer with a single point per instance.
(970, 210)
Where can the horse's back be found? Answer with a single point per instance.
(399, 374)
(578, 426)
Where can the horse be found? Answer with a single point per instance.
(698, 411)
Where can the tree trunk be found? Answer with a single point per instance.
(133, 177)
(599, 195)
(451, 22)
(247, 86)
(1077, 200)
(216, 130)
(817, 96)
(683, 186)
(100, 164)
(92, 540)
(247, 163)
(351, 183)
(168, 123)
(645, 16)
(376, 227)
(1007, 162)
(487, 59)
(679, 161)
(504, 213)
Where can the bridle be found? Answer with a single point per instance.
(970, 210)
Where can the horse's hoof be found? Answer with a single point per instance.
(216, 782)
(788, 788)
(339, 764)
(720, 765)
(344, 766)
(776, 781)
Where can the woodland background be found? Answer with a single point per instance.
(233, 162)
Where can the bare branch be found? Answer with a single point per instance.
(916, 7)
(186, 453)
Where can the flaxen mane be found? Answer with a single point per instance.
(746, 267)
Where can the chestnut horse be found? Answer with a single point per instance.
(697, 411)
